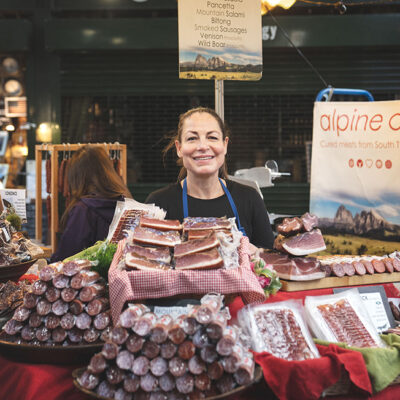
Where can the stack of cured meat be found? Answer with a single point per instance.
(195, 355)
(67, 305)
(165, 244)
(279, 329)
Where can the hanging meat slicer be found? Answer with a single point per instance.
(259, 177)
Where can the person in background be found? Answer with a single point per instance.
(203, 188)
(94, 187)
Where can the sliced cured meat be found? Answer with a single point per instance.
(196, 223)
(160, 254)
(388, 264)
(348, 268)
(396, 264)
(199, 234)
(368, 266)
(290, 226)
(156, 238)
(135, 262)
(274, 258)
(204, 260)
(337, 270)
(304, 243)
(359, 267)
(309, 221)
(378, 265)
(128, 222)
(196, 246)
(160, 224)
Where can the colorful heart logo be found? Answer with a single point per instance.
(368, 162)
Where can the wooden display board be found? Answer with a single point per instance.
(54, 150)
(332, 282)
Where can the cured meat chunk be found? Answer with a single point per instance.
(309, 221)
(160, 224)
(378, 265)
(159, 333)
(290, 226)
(196, 223)
(196, 246)
(278, 243)
(304, 243)
(205, 260)
(160, 254)
(135, 262)
(200, 233)
(156, 238)
(150, 349)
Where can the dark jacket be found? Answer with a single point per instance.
(88, 221)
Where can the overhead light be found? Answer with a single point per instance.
(10, 128)
(13, 87)
(10, 65)
(267, 5)
(44, 132)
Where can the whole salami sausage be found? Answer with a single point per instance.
(202, 382)
(388, 264)
(368, 266)
(52, 294)
(337, 270)
(119, 335)
(120, 394)
(102, 320)
(348, 268)
(158, 366)
(110, 350)
(215, 370)
(196, 365)
(83, 321)
(168, 350)
(43, 307)
(190, 325)
(68, 294)
(114, 375)
(125, 360)
(185, 383)
(91, 335)
(61, 171)
(59, 335)
(39, 287)
(106, 390)
(131, 383)
(140, 366)
(97, 364)
(150, 349)
(378, 265)
(48, 175)
(75, 335)
(106, 334)
(88, 293)
(60, 281)
(186, 350)
(84, 278)
(51, 321)
(48, 272)
(208, 354)
(148, 382)
(144, 324)
(76, 307)
(231, 363)
(28, 333)
(59, 307)
(30, 300)
(96, 306)
(67, 321)
(226, 383)
(176, 333)
(35, 320)
(245, 372)
(359, 267)
(216, 327)
(129, 316)
(43, 334)
(166, 382)
(88, 380)
(200, 338)
(12, 327)
(22, 313)
(177, 366)
(159, 332)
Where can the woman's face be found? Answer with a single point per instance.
(202, 146)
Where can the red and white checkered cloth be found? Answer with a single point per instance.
(139, 285)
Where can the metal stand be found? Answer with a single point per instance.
(219, 98)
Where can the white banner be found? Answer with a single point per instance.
(355, 170)
(220, 39)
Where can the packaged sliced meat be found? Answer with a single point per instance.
(196, 246)
(159, 254)
(210, 259)
(309, 221)
(160, 224)
(201, 223)
(342, 317)
(278, 328)
(134, 262)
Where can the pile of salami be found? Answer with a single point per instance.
(165, 244)
(195, 355)
(67, 305)
(299, 236)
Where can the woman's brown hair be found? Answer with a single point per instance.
(223, 172)
(92, 174)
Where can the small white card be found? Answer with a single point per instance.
(376, 310)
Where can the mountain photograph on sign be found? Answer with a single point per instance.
(203, 66)
(367, 232)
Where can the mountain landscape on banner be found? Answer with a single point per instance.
(366, 223)
(217, 63)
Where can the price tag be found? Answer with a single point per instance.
(15, 198)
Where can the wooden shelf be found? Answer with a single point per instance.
(332, 282)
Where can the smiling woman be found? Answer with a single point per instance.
(203, 188)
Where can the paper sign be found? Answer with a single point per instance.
(220, 39)
(15, 198)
